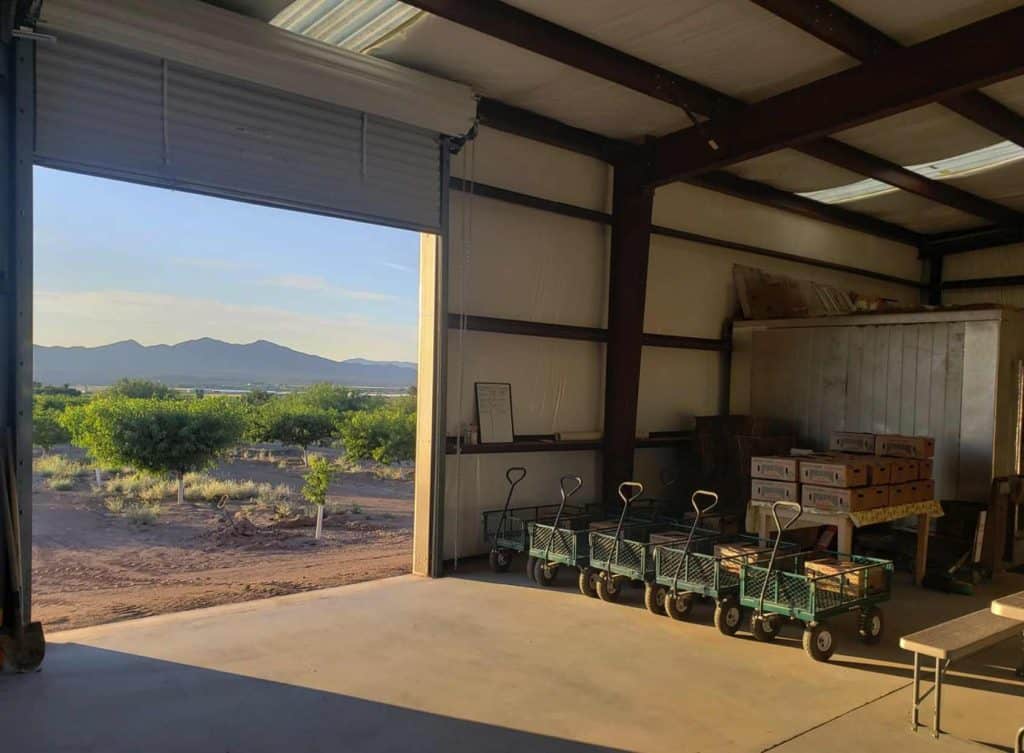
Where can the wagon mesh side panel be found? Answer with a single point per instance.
(629, 559)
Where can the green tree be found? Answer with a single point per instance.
(257, 397)
(141, 388)
(47, 430)
(156, 435)
(292, 423)
(386, 434)
(332, 398)
(318, 479)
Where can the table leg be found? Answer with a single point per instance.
(921, 555)
(762, 527)
(844, 536)
(917, 692)
(938, 696)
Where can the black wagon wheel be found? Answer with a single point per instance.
(765, 627)
(531, 563)
(654, 598)
(608, 588)
(500, 560)
(679, 606)
(870, 624)
(544, 573)
(819, 642)
(728, 615)
(588, 581)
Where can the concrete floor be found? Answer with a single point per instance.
(489, 663)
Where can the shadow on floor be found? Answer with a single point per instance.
(91, 699)
(911, 609)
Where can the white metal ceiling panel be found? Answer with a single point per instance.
(920, 135)
(914, 212)
(103, 110)
(913, 21)
(790, 170)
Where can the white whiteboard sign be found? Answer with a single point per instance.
(494, 412)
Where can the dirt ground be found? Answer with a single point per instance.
(93, 566)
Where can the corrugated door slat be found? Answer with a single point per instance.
(106, 111)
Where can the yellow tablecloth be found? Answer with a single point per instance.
(931, 508)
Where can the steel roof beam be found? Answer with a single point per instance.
(982, 53)
(841, 29)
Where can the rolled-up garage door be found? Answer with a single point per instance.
(110, 111)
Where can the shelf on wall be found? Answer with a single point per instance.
(559, 445)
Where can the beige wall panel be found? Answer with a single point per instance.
(988, 262)
(527, 264)
(475, 483)
(557, 385)
(533, 168)
(675, 384)
(719, 216)
(690, 289)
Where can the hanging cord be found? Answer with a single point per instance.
(466, 230)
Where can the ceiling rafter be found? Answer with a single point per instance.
(981, 53)
(841, 29)
(511, 25)
(520, 122)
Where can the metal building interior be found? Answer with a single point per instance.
(585, 175)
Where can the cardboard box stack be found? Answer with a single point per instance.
(858, 472)
(774, 477)
(897, 470)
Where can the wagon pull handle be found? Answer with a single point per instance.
(775, 547)
(578, 484)
(517, 470)
(521, 474)
(627, 499)
(697, 507)
(699, 512)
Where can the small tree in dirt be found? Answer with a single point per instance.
(291, 423)
(141, 388)
(160, 436)
(318, 478)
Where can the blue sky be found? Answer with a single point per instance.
(117, 261)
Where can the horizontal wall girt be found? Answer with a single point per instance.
(974, 239)
(1008, 281)
(572, 332)
(582, 213)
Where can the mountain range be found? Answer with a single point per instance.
(211, 363)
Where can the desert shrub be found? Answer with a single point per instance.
(140, 486)
(146, 389)
(272, 496)
(61, 483)
(155, 435)
(141, 514)
(57, 465)
(114, 504)
(203, 488)
(386, 434)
